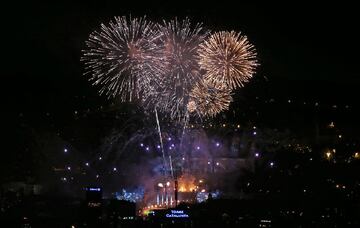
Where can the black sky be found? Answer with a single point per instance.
(313, 44)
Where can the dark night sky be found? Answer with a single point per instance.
(302, 46)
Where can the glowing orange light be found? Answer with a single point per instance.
(186, 183)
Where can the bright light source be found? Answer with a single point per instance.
(87, 163)
(254, 133)
(256, 154)
(217, 163)
(168, 183)
(115, 169)
(198, 148)
(328, 155)
(65, 150)
(217, 144)
(141, 144)
(160, 185)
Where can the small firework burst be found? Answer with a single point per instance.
(207, 100)
(191, 106)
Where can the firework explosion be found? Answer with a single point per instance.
(228, 59)
(207, 100)
(171, 67)
(174, 67)
(179, 44)
(119, 57)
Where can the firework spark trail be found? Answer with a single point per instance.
(171, 167)
(186, 120)
(228, 59)
(161, 141)
(119, 57)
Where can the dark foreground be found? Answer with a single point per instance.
(53, 213)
